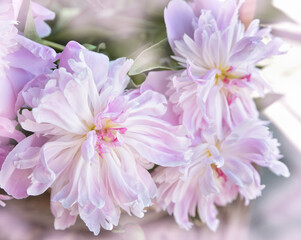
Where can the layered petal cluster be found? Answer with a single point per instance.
(219, 56)
(92, 141)
(20, 61)
(219, 170)
(212, 98)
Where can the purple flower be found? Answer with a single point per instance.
(93, 141)
(20, 60)
(219, 170)
(219, 56)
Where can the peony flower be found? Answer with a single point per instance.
(92, 141)
(20, 60)
(219, 56)
(219, 170)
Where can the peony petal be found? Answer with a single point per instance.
(238, 172)
(178, 18)
(93, 60)
(16, 181)
(279, 168)
(63, 218)
(42, 14)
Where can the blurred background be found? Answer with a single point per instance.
(126, 27)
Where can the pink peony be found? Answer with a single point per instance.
(219, 170)
(219, 56)
(93, 141)
(20, 60)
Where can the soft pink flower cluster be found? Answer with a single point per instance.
(212, 98)
(93, 142)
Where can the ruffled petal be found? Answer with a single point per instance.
(18, 167)
(63, 217)
(178, 18)
(42, 14)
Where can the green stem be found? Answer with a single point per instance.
(53, 45)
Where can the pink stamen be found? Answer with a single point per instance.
(230, 69)
(248, 77)
(221, 174)
(230, 98)
(229, 77)
(107, 138)
(226, 80)
(121, 130)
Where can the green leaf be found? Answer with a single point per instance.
(54, 45)
(89, 46)
(101, 46)
(30, 28)
(138, 79)
(151, 58)
(98, 48)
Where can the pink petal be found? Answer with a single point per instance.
(13, 180)
(178, 18)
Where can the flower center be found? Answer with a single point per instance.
(213, 151)
(108, 136)
(231, 79)
(218, 173)
(227, 75)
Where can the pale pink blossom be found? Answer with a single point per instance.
(219, 170)
(219, 56)
(20, 60)
(93, 141)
